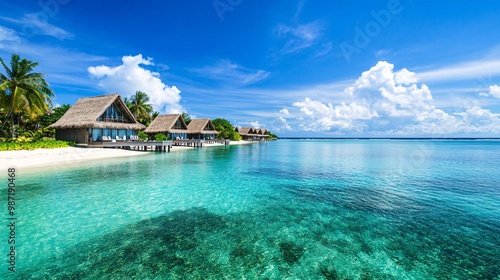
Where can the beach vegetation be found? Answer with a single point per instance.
(161, 137)
(226, 130)
(25, 143)
(271, 135)
(24, 94)
(33, 135)
(142, 136)
(54, 115)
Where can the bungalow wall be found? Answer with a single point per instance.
(76, 135)
(176, 135)
(98, 133)
(201, 136)
(83, 135)
(170, 135)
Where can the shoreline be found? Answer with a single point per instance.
(61, 156)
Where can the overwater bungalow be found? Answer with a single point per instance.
(261, 133)
(201, 129)
(247, 133)
(91, 118)
(253, 134)
(172, 125)
(244, 132)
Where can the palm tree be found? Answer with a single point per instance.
(127, 102)
(139, 106)
(186, 117)
(23, 90)
(154, 115)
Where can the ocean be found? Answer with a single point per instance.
(286, 209)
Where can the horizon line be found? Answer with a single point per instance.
(390, 138)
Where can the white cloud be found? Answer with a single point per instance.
(162, 67)
(300, 37)
(495, 91)
(8, 35)
(280, 124)
(130, 77)
(386, 101)
(255, 124)
(462, 71)
(382, 52)
(405, 77)
(323, 117)
(225, 70)
(37, 24)
(386, 92)
(285, 112)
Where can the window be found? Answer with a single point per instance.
(122, 132)
(114, 114)
(96, 134)
(106, 132)
(178, 124)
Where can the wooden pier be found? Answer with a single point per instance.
(226, 142)
(162, 146)
(198, 143)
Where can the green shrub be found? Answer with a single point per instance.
(43, 144)
(34, 135)
(225, 129)
(161, 137)
(142, 136)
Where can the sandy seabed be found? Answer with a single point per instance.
(59, 156)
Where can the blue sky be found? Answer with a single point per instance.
(300, 68)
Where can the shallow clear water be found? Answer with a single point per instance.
(290, 209)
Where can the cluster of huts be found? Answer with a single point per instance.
(102, 118)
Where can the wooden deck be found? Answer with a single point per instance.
(260, 140)
(162, 146)
(218, 141)
(199, 142)
(189, 142)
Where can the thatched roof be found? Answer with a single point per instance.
(249, 131)
(166, 124)
(199, 126)
(245, 131)
(85, 112)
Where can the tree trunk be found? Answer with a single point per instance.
(12, 124)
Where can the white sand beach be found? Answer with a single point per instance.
(46, 157)
(59, 156)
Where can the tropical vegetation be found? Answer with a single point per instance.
(142, 136)
(42, 144)
(140, 108)
(186, 117)
(225, 129)
(24, 94)
(161, 137)
(271, 135)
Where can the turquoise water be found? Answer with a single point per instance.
(289, 209)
